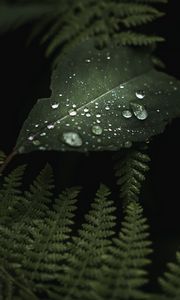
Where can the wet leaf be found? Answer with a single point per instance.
(101, 100)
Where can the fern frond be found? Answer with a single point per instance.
(130, 171)
(47, 251)
(137, 20)
(67, 21)
(129, 38)
(2, 157)
(34, 203)
(89, 248)
(170, 283)
(124, 273)
(10, 193)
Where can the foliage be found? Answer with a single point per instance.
(97, 106)
(42, 253)
(130, 169)
(62, 24)
(41, 257)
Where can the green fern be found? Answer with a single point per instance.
(35, 201)
(65, 23)
(43, 263)
(170, 283)
(130, 170)
(89, 248)
(124, 273)
(10, 193)
(2, 157)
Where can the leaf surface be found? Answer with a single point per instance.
(101, 100)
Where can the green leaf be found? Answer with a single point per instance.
(101, 100)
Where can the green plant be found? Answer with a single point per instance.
(108, 93)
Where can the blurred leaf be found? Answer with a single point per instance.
(101, 100)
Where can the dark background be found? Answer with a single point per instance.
(25, 77)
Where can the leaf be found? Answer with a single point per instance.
(101, 100)
(14, 16)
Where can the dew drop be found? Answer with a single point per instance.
(42, 148)
(55, 105)
(127, 114)
(36, 143)
(121, 86)
(37, 125)
(97, 130)
(88, 115)
(88, 60)
(60, 95)
(72, 112)
(43, 134)
(31, 138)
(98, 115)
(86, 109)
(139, 111)
(72, 139)
(50, 126)
(140, 94)
(107, 108)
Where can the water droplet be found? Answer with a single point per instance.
(98, 115)
(88, 60)
(127, 114)
(86, 109)
(107, 108)
(42, 148)
(50, 126)
(72, 112)
(43, 134)
(139, 111)
(36, 143)
(72, 139)
(37, 125)
(55, 105)
(60, 95)
(128, 144)
(140, 94)
(74, 105)
(108, 57)
(88, 115)
(31, 138)
(97, 130)
(121, 86)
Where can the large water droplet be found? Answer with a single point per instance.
(127, 114)
(72, 139)
(97, 130)
(140, 94)
(55, 105)
(139, 111)
(72, 112)
(50, 126)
